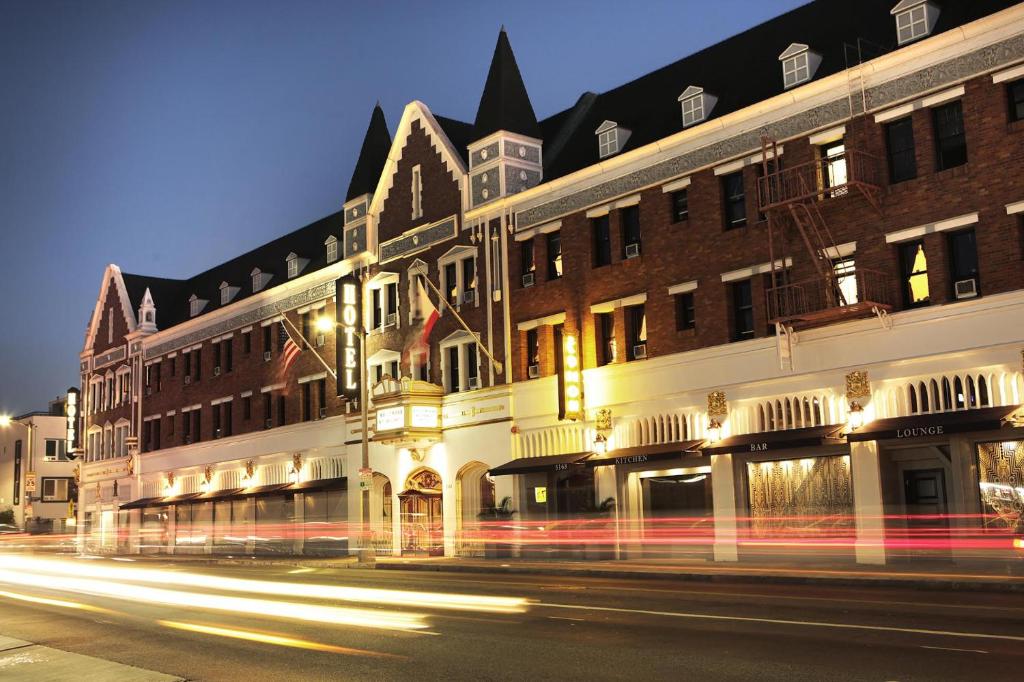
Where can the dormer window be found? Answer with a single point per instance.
(611, 138)
(332, 248)
(696, 104)
(259, 279)
(799, 63)
(196, 305)
(295, 265)
(914, 19)
(227, 293)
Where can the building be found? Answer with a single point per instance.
(780, 278)
(37, 479)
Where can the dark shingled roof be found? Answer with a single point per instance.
(740, 71)
(504, 104)
(460, 134)
(372, 156)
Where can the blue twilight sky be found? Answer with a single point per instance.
(167, 137)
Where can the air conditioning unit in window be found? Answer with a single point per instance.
(266, 356)
(474, 383)
(528, 280)
(632, 250)
(391, 320)
(267, 423)
(533, 371)
(640, 351)
(188, 379)
(216, 371)
(320, 340)
(323, 412)
(149, 390)
(966, 288)
(188, 439)
(216, 433)
(469, 296)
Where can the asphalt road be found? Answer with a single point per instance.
(568, 628)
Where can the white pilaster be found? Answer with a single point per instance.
(867, 502)
(723, 490)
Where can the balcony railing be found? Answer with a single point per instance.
(821, 301)
(826, 178)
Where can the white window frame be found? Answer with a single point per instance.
(417, 192)
(417, 269)
(462, 340)
(608, 143)
(227, 293)
(796, 70)
(693, 110)
(195, 305)
(123, 383)
(380, 282)
(332, 249)
(292, 262)
(912, 24)
(60, 450)
(385, 360)
(456, 255)
(54, 496)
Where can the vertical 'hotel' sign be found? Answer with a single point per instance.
(350, 317)
(572, 387)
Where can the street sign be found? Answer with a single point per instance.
(30, 481)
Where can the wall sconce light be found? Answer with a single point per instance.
(714, 430)
(856, 416)
(600, 444)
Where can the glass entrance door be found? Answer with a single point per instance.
(422, 525)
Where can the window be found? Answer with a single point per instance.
(453, 370)
(225, 293)
(913, 24)
(1015, 98)
(194, 306)
(795, 70)
(742, 311)
(267, 416)
(268, 338)
(216, 356)
(532, 352)
(451, 284)
(421, 366)
(247, 342)
(735, 200)
(247, 408)
(156, 433)
(174, 367)
(526, 262)
(914, 274)
(226, 426)
(833, 167)
(321, 396)
(605, 323)
(170, 425)
(332, 249)
(216, 421)
(608, 142)
(602, 241)
(630, 217)
(281, 418)
(899, 138)
(554, 255)
(950, 143)
(197, 425)
(693, 110)
(685, 318)
(680, 206)
(55, 490)
(197, 364)
(378, 313)
(963, 263)
(186, 427)
(636, 332)
(472, 366)
(846, 280)
(293, 265)
(307, 401)
(188, 363)
(55, 450)
(305, 324)
(391, 304)
(417, 193)
(469, 278)
(157, 370)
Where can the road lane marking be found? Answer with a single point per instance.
(949, 648)
(54, 602)
(565, 618)
(268, 638)
(777, 621)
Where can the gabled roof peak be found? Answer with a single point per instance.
(691, 91)
(504, 103)
(607, 125)
(793, 50)
(904, 5)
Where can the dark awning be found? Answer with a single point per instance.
(142, 502)
(529, 465)
(666, 452)
(930, 425)
(220, 494)
(263, 489)
(766, 441)
(180, 498)
(321, 484)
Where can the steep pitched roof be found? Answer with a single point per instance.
(372, 156)
(504, 104)
(459, 133)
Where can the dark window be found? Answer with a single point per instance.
(266, 409)
(188, 363)
(147, 437)
(606, 337)
(216, 355)
(247, 408)
(532, 349)
(773, 166)
(526, 259)
(228, 354)
(197, 425)
(630, 221)
(197, 363)
(472, 366)
(226, 426)
(554, 255)
(247, 342)
(307, 401)
(156, 434)
(174, 367)
(392, 302)
(680, 206)
(451, 284)
(602, 241)
(469, 275)
(963, 261)
(950, 142)
(186, 427)
(742, 311)
(636, 332)
(914, 274)
(282, 335)
(899, 138)
(158, 375)
(216, 421)
(306, 326)
(170, 426)
(377, 312)
(267, 337)
(734, 200)
(281, 418)
(685, 318)
(453, 369)
(321, 394)
(1015, 95)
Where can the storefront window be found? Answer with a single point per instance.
(1001, 477)
(801, 497)
(153, 536)
(324, 516)
(274, 515)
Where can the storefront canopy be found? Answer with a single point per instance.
(321, 484)
(662, 454)
(143, 502)
(529, 465)
(930, 425)
(767, 441)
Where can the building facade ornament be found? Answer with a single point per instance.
(857, 385)
(717, 405)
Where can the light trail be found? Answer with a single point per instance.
(435, 600)
(267, 638)
(364, 618)
(54, 602)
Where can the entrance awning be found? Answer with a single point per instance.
(321, 484)
(662, 454)
(767, 441)
(180, 498)
(530, 465)
(142, 502)
(220, 494)
(263, 489)
(930, 425)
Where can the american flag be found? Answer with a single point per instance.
(290, 349)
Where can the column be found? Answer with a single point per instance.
(964, 498)
(869, 509)
(299, 523)
(723, 492)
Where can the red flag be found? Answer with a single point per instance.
(427, 310)
(290, 351)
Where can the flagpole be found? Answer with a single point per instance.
(284, 317)
(444, 303)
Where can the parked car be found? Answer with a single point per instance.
(6, 528)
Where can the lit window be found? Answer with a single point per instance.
(846, 280)
(914, 267)
(833, 167)
(417, 193)
(554, 255)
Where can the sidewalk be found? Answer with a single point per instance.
(21, 660)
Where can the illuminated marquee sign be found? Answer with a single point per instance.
(349, 316)
(572, 386)
(390, 418)
(71, 416)
(419, 417)
(423, 417)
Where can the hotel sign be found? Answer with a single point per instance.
(71, 417)
(571, 393)
(349, 315)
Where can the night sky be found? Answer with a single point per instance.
(167, 137)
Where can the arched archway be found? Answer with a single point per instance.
(422, 515)
(474, 494)
(381, 514)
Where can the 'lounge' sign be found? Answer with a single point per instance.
(920, 431)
